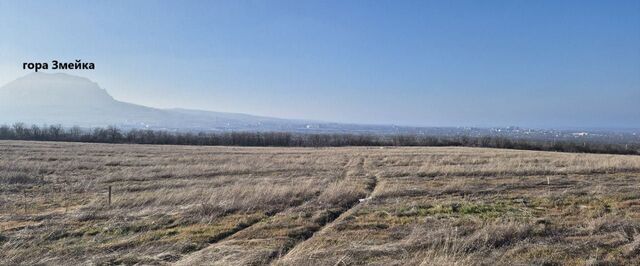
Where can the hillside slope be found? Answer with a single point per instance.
(41, 98)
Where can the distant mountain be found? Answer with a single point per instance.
(41, 98)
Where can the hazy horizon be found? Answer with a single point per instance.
(544, 64)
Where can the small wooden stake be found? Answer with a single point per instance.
(109, 195)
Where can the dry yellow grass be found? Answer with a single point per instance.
(301, 206)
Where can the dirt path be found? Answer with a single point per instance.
(283, 259)
(247, 232)
(272, 238)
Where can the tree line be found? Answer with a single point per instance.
(112, 134)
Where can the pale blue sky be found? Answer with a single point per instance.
(429, 63)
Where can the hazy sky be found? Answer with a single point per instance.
(430, 63)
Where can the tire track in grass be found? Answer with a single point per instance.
(350, 209)
(238, 229)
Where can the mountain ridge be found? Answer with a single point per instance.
(59, 98)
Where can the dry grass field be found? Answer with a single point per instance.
(190, 205)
